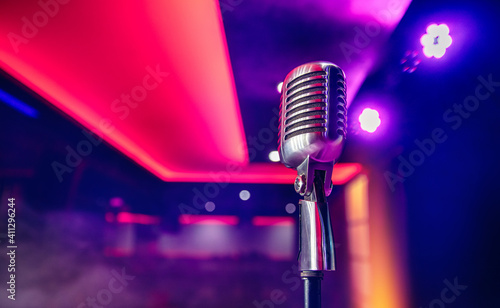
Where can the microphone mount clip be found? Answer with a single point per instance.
(315, 228)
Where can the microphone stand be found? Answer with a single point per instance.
(315, 232)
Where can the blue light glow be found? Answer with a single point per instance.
(18, 105)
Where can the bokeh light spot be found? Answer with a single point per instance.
(280, 86)
(290, 208)
(274, 156)
(244, 195)
(210, 206)
(436, 40)
(369, 120)
(116, 202)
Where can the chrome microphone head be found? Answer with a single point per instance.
(313, 114)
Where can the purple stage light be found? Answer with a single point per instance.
(369, 120)
(436, 40)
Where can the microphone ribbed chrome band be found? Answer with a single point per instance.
(306, 108)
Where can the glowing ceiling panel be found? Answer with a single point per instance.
(153, 78)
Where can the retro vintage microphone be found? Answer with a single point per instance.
(311, 136)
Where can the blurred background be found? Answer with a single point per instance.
(139, 142)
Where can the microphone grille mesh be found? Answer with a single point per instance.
(305, 106)
(340, 101)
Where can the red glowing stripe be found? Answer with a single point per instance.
(272, 221)
(343, 173)
(179, 254)
(187, 219)
(118, 252)
(131, 218)
(273, 173)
